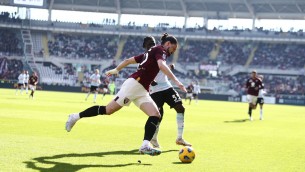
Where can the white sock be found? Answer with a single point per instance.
(94, 97)
(145, 143)
(77, 116)
(261, 113)
(180, 124)
(88, 95)
(155, 137)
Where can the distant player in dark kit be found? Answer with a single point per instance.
(33, 81)
(105, 86)
(260, 98)
(253, 85)
(135, 89)
(189, 92)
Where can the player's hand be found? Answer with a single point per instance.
(112, 72)
(153, 83)
(181, 86)
(172, 66)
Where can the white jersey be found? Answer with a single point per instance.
(261, 92)
(21, 78)
(162, 83)
(95, 79)
(196, 89)
(26, 79)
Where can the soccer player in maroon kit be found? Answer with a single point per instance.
(33, 81)
(136, 88)
(253, 85)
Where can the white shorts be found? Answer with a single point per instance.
(32, 87)
(252, 99)
(189, 95)
(105, 90)
(132, 91)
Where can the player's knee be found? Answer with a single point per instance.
(179, 108)
(110, 110)
(155, 114)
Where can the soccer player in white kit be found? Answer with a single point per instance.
(20, 85)
(95, 82)
(196, 91)
(260, 98)
(26, 81)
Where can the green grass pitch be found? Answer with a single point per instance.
(32, 137)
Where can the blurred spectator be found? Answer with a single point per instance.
(10, 69)
(91, 47)
(9, 43)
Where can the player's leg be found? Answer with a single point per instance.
(95, 95)
(32, 87)
(22, 88)
(150, 109)
(154, 141)
(173, 99)
(261, 104)
(158, 98)
(249, 98)
(88, 94)
(112, 107)
(17, 88)
(180, 125)
(26, 88)
(195, 97)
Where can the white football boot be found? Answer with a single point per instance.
(149, 150)
(181, 141)
(73, 118)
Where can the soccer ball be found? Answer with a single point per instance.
(186, 154)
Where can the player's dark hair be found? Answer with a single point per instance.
(149, 42)
(169, 38)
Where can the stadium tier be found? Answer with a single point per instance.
(66, 57)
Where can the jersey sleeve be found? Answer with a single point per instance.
(139, 58)
(262, 86)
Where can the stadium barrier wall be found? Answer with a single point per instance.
(217, 97)
(290, 101)
(267, 99)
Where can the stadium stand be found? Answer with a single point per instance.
(10, 43)
(278, 55)
(76, 46)
(10, 68)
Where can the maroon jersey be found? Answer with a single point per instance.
(253, 86)
(33, 80)
(189, 89)
(148, 67)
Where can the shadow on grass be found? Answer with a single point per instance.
(181, 163)
(36, 163)
(237, 121)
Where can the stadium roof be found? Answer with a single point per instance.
(215, 9)
(212, 9)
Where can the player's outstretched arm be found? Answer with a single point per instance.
(165, 69)
(123, 64)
